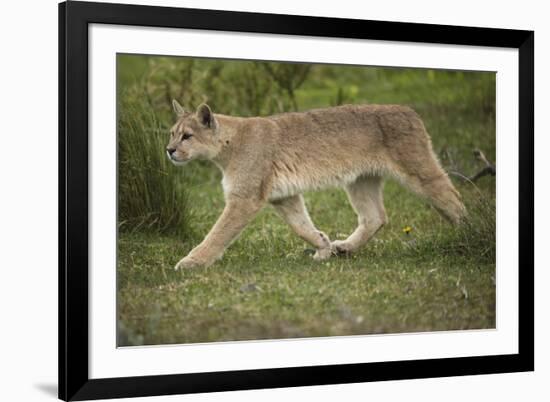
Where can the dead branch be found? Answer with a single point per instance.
(454, 168)
(488, 169)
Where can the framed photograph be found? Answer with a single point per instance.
(258, 201)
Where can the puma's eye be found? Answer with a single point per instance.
(186, 136)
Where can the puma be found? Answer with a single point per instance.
(275, 159)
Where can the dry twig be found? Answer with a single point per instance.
(454, 168)
(488, 169)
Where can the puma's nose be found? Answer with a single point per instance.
(170, 150)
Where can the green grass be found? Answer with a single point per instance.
(267, 286)
(150, 192)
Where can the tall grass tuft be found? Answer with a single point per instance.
(475, 236)
(151, 192)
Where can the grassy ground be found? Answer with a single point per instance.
(267, 286)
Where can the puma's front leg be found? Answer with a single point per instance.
(238, 212)
(294, 212)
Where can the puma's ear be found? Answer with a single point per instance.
(205, 115)
(178, 109)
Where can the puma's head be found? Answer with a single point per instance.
(194, 136)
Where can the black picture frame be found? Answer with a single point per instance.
(74, 381)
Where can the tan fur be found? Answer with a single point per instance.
(275, 159)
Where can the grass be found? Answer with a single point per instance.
(151, 197)
(267, 287)
(437, 277)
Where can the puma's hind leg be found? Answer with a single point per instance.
(427, 178)
(415, 165)
(441, 193)
(294, 212)
(365, 195)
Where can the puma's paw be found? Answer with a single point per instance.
(322, 254)
(188, 262)
(341, 247)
